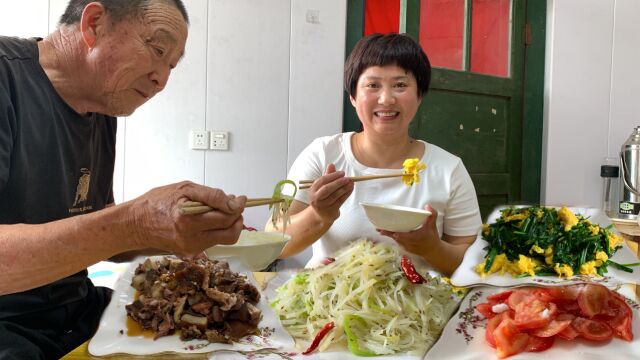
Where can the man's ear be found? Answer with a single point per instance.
(93, 18)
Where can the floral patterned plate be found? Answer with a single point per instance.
(464, 336)
(111, 337)
(465, 274)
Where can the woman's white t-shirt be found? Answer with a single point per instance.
(445, 184)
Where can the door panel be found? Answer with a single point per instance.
(477, 117)
(471, 126)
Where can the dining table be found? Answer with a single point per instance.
(631, 237)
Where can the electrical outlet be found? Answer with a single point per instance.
(219, 140)
(199, 139)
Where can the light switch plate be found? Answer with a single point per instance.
(219, 140)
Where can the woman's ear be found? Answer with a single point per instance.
(353, 100)
(93, 19)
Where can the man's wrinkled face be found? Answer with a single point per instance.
(134, 57)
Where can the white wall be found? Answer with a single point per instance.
(591, 89)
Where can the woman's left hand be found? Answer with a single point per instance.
(422, 241)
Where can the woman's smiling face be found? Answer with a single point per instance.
(386, 99)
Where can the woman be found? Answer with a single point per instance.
(386, 77)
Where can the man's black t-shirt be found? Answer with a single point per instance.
(54, 163)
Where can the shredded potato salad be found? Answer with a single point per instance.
(375, 309)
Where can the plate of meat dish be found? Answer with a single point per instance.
(164, 305)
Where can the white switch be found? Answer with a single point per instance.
(219, 140)
(199, 139)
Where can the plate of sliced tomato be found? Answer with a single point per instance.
(585, 320)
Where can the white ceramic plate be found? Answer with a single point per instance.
(465, 274)
(334, 352)
(109, 339)
(464, 337)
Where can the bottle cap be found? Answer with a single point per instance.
(609, 171)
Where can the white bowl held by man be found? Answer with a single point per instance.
(257, 249)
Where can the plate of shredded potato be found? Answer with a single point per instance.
(367, 301)
(547, 245)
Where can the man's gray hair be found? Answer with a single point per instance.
(118, 10)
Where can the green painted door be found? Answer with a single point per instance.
(480, 118)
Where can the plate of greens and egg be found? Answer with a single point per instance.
(540, 245)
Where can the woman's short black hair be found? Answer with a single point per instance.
(118, 10)
(387, 49)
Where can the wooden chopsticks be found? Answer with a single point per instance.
(305, 184)
(196, 207)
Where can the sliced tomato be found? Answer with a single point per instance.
(509, 340)
(533, 313)
(561, 293)
(499, 297)
(592, 299)
(492, 324)
(485, 310)
(568, 333)
(621, 322)
(592, 329)
(570, 307)
(537, 344)
(518, 296)
(554, 327)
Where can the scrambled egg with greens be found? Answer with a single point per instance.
(547, 241)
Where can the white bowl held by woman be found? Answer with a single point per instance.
(257, 249)
(394, 217)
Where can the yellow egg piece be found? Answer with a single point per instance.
(568, 218)
(536, 249)
(614, 241)
(548, 255)
(411, 168)
(588, 268)
(563, 270)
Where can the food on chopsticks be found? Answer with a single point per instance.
(201, 298)
(547, 241)
(364, 300)
(529, 319)
(412, 167)
(280, 210)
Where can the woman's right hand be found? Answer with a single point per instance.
(329, 192)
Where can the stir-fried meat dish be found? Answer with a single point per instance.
(202, 298)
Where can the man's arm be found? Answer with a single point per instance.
(35, 255)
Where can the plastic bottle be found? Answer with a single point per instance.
(610, 172)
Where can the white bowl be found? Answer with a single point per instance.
(257, 249)
(394, 217)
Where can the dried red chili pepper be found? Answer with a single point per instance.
(328, 260)
(319, 336)
(410, 271)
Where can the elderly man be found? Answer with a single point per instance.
(58, 100)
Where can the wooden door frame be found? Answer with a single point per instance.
(533, 84)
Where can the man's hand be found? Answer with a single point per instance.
(158, 222)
